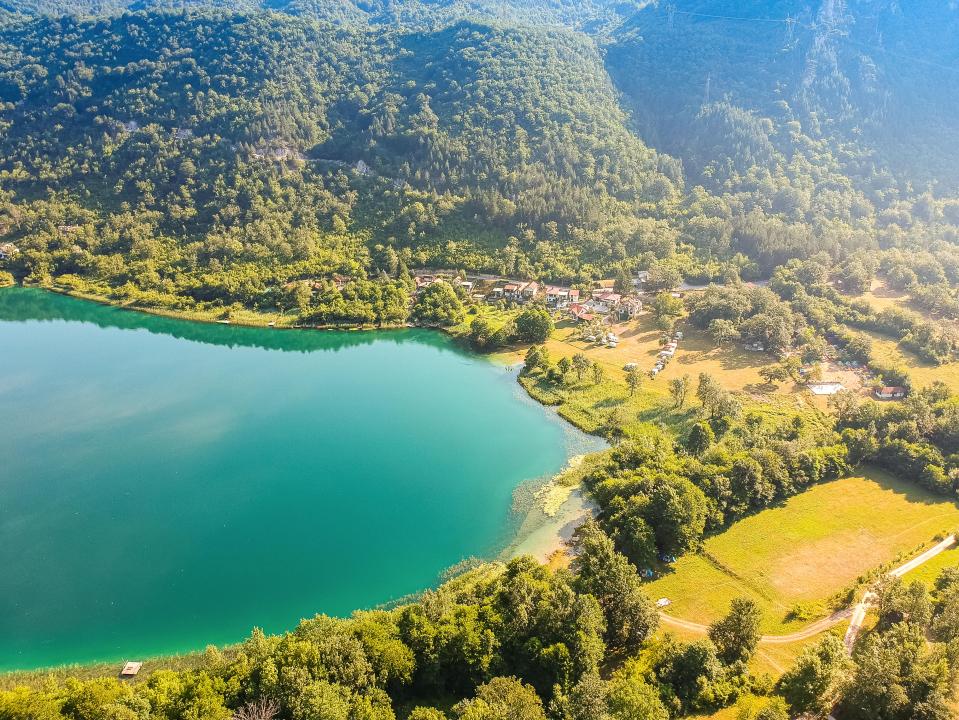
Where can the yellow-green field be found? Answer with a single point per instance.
(639, 342)
(805, 551)
(923, 373)
(880, 296)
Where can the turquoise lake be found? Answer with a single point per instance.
(165, 485)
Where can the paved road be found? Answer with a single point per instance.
(856, 614)
(868, 598)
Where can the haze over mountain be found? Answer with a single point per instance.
(878, 74)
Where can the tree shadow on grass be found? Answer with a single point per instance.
(760, 388)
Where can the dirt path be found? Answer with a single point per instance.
(856, 614)
(804, 634)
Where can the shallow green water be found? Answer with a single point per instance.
(164, 485)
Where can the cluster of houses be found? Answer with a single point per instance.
(485, 288)
(8, 250)
(599, 304)
(604, 301)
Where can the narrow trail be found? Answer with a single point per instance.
(856, 614)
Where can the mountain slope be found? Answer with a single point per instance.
(879, 75)
(589, 15)
(215, 151)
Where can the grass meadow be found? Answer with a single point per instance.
(804, 552)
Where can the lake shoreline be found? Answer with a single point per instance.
(543, 541)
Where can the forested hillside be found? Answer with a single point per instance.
(737, 85)
(589, 15)
(267, 148)
(257, 149)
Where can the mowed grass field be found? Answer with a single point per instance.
(805, 551)
(880, 296)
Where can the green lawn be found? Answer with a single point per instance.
(807, 550)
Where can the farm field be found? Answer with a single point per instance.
(805, 551)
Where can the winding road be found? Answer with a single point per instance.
(855, 614)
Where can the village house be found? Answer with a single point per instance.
(182, 133)
(8, 250)
(891, 393)
(629, 308)
(560, 297)
(421, 282)
(581, 313)
(511, 290)
(604, 301)
(521, 290)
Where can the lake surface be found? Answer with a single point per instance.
(164, 484)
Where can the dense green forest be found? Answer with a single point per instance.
(301, 157)
(210, 158)
(214, 158)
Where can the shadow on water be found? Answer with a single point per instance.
(36, 305)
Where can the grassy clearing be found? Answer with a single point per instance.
(922, 372)
(803, 552)
(591, 406)
(734, 367)
(880, 296)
